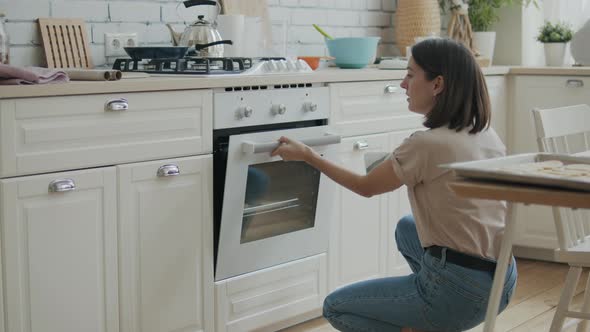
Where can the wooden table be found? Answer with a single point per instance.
(516, 194)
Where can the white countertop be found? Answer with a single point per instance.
(137, 83)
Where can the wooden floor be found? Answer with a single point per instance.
(531, 308)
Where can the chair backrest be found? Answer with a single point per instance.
(566, 130)
(563, 129)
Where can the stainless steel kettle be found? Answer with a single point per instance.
(201, 35)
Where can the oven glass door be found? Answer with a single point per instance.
(281, 197)
(273, 211)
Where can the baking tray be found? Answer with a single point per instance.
(493, 170)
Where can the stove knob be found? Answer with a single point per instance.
(310, 107)
(245, 112)
(279, 109)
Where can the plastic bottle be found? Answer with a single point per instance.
(4, 42)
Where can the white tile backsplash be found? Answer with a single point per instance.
(147, 18)
(90, 11)
(134, 11)
(25, 9)
(24, 33)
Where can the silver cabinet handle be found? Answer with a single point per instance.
(120, 104)
(252, 147)
(574, 83)
(61, 185)
(361, 145)
(391, 89)
(168, 170)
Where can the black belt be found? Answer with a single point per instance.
(464, 260)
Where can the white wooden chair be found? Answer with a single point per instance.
(558, 130)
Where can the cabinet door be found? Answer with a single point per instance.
(535, 227)
(359, 234)
(364, 108)
(166, 245)
(60, 252)
(498, 99)
(400, 206)
(542, 92)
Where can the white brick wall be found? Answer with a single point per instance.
(340, 18)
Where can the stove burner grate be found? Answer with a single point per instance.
(187, 65)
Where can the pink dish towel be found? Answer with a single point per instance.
(13, 75)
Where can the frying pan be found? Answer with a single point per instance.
(156, 52)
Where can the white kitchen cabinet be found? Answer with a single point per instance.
(535, 233)
(542, 92)
(497, 90)
(375, 117)
(127, 250)
(40, 135)
(359, 231)
(399, 204)
(362, 242)
(166, 242)
(364, 108)
(60, 252)
(274, 298)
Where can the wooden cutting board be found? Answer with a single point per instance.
(65, 42)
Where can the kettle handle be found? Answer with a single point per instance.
(202, 46)
(191, 3)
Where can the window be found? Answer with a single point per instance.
(574, 12)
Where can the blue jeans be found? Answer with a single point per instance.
(437, 296)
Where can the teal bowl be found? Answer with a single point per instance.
(353, 52)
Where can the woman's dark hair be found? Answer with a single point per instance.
(464, 101)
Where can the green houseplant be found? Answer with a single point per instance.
(555, 37)
(555, 33)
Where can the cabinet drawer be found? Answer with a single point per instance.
(57, 133)
(268, 300)
(370, 107)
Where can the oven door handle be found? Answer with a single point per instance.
(251, 147)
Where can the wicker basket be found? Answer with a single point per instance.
(415, 18)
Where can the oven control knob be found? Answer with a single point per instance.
(310, 107)
(279, 109)
(245, 112)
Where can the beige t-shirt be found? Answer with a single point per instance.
(471, 226)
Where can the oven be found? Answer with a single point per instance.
(268, 211)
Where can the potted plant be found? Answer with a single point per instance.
(482, 15)
(554, 38)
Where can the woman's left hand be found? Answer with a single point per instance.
(292, 150)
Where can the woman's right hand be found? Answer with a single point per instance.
(292, 150)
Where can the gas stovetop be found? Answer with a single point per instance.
(212, 66)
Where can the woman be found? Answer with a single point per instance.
(450, 243)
